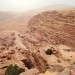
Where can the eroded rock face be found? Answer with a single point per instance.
(36, 61)
(54, 28)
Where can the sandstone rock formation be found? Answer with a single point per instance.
(46, 46)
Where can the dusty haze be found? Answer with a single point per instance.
(40, 40)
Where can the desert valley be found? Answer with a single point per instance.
(40, 43)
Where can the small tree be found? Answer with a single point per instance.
(14, 70)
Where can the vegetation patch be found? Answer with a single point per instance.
(13, 70)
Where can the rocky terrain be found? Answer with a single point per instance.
(43, 44)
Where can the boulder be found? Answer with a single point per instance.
(49, 73)
(72, 72)
(40, 74)
(66, 71)
(33, 71)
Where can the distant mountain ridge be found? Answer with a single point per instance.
(50, 7)
(6, 16)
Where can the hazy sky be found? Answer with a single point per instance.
(24, 5)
